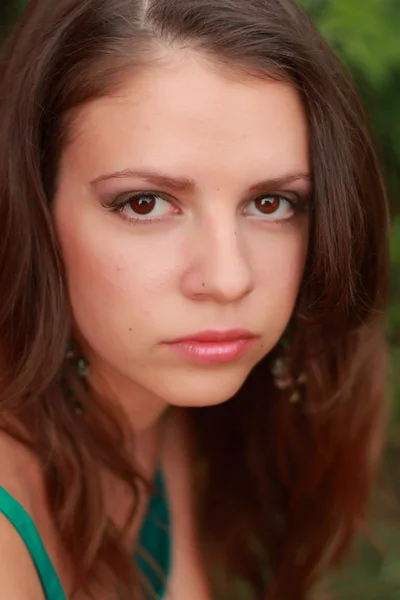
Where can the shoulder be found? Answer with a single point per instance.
(18, 577)
(21, 477)
(18, 473)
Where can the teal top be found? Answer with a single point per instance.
(154, 541)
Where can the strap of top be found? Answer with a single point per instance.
(26, 528)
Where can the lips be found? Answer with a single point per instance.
(214, 336)
(214, 347)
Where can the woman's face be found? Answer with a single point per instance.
(182, 209)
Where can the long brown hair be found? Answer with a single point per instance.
(284, 486)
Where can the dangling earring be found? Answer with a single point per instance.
(282, 377)
(78, 362)
(81, 367)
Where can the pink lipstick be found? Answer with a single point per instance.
(214, 347)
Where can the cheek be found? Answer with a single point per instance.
(102, 275)
(279, 267)
(115, 280)
(93, 269)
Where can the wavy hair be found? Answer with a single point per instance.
(282, 487)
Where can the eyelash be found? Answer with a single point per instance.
(117, 206)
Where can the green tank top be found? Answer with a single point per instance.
(154, 540)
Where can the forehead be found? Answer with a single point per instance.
(187, 110)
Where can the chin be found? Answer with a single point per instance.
(202, 389)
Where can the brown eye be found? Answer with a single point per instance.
(144, 207)
(268, 204)
(272, 207)
(143, 204)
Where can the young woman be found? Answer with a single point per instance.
(193, 276)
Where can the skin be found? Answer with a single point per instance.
(213, 260)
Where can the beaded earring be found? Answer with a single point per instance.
(79, 366)
(78, 362)
(282, 376)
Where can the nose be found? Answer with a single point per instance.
(219, 268)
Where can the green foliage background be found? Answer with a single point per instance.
(366, 35)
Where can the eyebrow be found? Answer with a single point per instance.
(183, 184)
